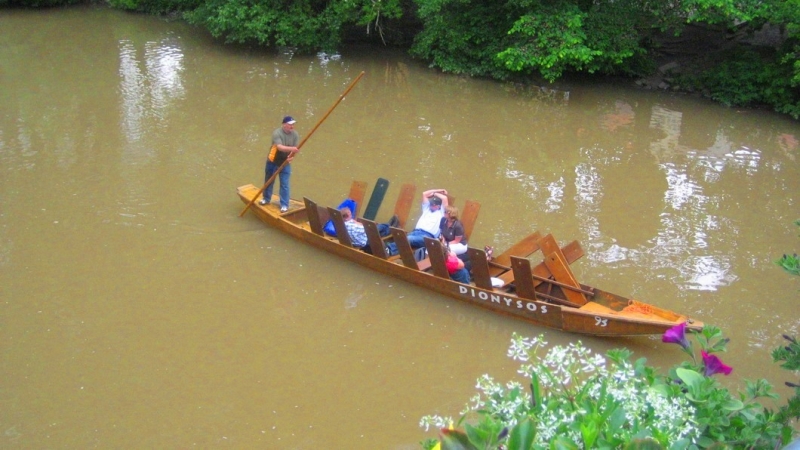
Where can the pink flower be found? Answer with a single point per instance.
(676, 335)
(714, 365)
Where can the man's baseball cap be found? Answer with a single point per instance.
(289, 119)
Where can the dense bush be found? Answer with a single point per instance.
(522, 37)
(306, 25)
(748, 78)
(156, 6)
(551, 38)
(574, 399)
(39, 3)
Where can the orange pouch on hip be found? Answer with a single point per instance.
(272, 153)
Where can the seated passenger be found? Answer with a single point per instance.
(453, 230)
(454, 264)
(355, 229)
(433, 201)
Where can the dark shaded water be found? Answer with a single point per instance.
(138, 310)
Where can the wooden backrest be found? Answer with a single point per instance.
(523, 281)
(376, 244)
(436, 256)
(480, 268)
(314, 219)
(559, 268)
(548, 244)
(405, 201)
(341, 231)
(376, 199)
(357, 191)
(404, 248)
(572, 252)
(469, 215)
(523, 249)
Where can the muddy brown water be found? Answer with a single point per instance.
(137, 310)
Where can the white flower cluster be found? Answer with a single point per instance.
(499, 401)
(568, 378)
(437, 422)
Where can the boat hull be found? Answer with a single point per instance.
(600, 321)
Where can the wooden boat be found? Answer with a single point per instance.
(545, 294)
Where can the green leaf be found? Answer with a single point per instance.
(522, 435)
(589, 433)
(563, 443)
(536, 394)
(643, 444)
(478, 435)
(689, 377)
(732, 405)
(705, 442)
(455, 440)
(616, 420)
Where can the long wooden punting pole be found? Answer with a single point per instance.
(272, 178)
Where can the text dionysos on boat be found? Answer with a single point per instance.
(502, 299)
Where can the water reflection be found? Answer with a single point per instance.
(669, 123)
(623, 115)
(148, 88)
(789, 144)
(589, 190)
(164, 62)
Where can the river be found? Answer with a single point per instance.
(138, 310)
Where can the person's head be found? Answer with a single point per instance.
(435, 203)
(288, 123)
(346, 213)
(451, 212)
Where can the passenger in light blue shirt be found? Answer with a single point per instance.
(355, 229)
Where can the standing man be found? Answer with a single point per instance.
(284, 146)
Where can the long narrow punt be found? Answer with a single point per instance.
(543, 293)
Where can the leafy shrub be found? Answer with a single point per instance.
(790, 263)
(463, 36)
(305, 25)
(39, 3)
(576, 399)
(747, 78)
(155, 6)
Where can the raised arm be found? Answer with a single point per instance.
(427, 194)
(444, 199)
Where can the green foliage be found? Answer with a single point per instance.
(39, 3)
(726, 12)
(790, 263)
(463, 36)
(747, 78)
(306, 25)
(789, 357)
(582, 400)
(486, 38)
(563, 37)
(155, 6)
(556, 37)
